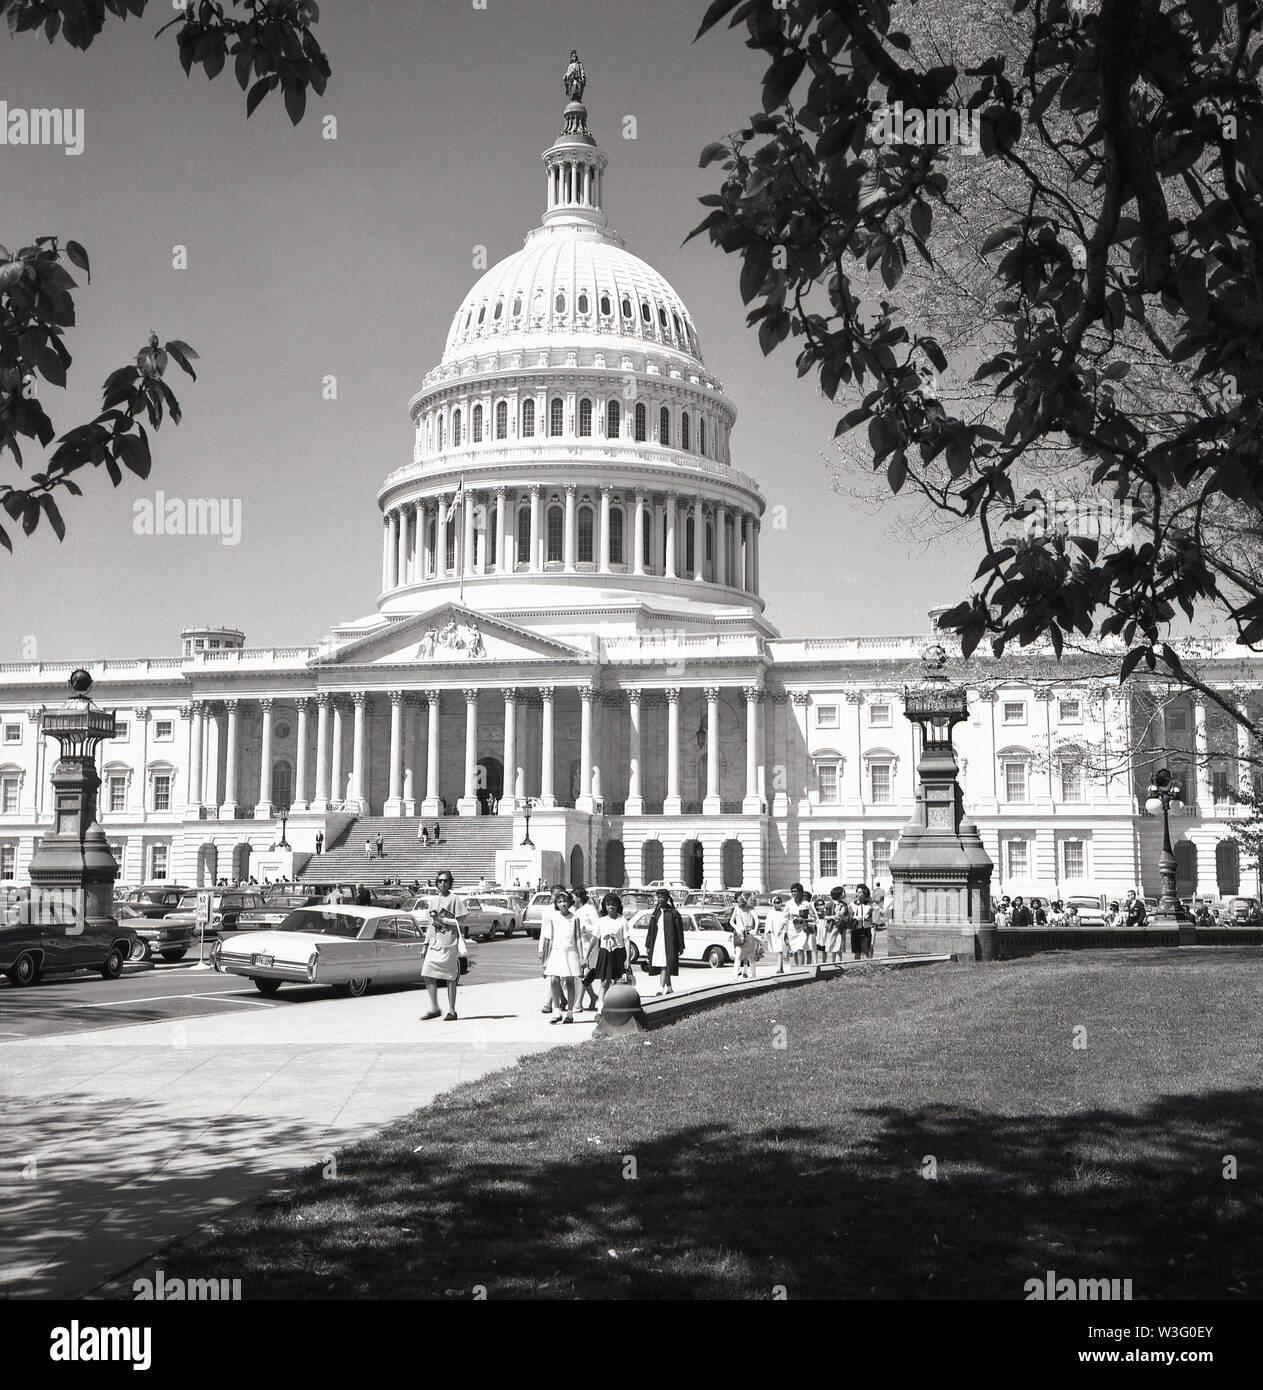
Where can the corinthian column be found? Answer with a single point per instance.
(264, 810)
(468, 804)
(635, 802)
(752, 804)
(583, 801)
(300, 759)
(546, 794)
(431, 805)
(509, 790)
(394, 796)
(672, 805)
(196, 738)
(712, 804)
(228, 811)
(359, 755)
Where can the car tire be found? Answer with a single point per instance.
(175, 955)
(356, 988)
(534, 935)
(496, 930)
(25, 970)
(512, 928)
(112, 965)
(266, 986)
(633, 953)
(715, 957)
(141, 951)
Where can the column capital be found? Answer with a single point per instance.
(267, 704)
(323, 699)
(606, 489)
(1043, 696)
(570, 489)
(33, 715)
(231, 706)
(501, 492)
(396, 697)
(141, 712)
(471, 695)
(360, 699)
(799, 697)
(184, 711)
(510, 694)
(302, 702)
(712, 694)
(546, 693)
(672, 693)
(753, 693)
(536, 489)
(587, 693)
(633, 693)
(432, 696)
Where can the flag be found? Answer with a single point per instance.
(457, 502)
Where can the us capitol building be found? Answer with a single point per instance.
(570, 622)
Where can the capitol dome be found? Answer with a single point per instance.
(571, 451)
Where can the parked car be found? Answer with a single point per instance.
(59, 941)
(533, 917)
(486, 918)
(706, 940)
(1091, 908)
(506, 912)
(276, 906)
(179, 928)
(156, 899)
(346, 947)
(1243, 912)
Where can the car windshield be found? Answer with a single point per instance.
(707, 922)
(188, 902)
(326, 920)
(286, 900)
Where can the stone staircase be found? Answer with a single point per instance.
(468, 848)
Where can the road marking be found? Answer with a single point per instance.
(214, 997)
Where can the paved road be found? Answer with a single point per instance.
(185, 990)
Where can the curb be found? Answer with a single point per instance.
(660, 1013)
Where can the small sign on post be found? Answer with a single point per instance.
(204, 898)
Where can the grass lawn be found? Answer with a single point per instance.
(784, 1141)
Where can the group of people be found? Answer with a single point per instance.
(1015, 912)
(798, 932)
(583, 944)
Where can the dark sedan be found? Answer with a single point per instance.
(37, 944)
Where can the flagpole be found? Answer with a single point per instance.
(460, 492)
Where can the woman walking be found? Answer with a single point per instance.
(585, 910)
(745, 937)
(441, 964)
(835, 933)
(865, 919)
(611, 958)
(664, 943)
(778, 929)
(562, 948)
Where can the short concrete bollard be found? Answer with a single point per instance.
(620, 1009)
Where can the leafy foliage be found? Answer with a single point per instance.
(271, 46)
(1128, 139)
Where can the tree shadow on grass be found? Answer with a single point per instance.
(937, 1201)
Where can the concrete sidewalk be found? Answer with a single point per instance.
(120, 1140)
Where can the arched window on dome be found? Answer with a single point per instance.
(710, 543)
(679, 332)
(499, 310)
(585, 527)
(456, 429)
(493, 531)
(477, 424)
(517, 306)
(482, 314)
(701, 435)
(641, 422)
(646, 540)
(689, 546)
(449, 544)
(429, 434)
(555, 417)
(559, 304)
(469, 318)
(583, 303)
(524, 535)
(440, 433)
(616, 535)
(645, 312)
(685, 443)
(431, 552)
(613, 419)
(664, 427)
(528, 419)
(627, 307)
(502, 419)
(606, 307)
(556, 534)
(662, 318)
(585, 418)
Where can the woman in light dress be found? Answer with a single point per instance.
(778, 929)
(839, 920)
(745, 937)
(611, 959)
(562, 948)
(441, 964)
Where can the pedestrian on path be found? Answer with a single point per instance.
(865, 920)
(368, 849)
(835, 931)
(381, 852)
(445, 911)
(320, 841)
(561, 948)
(424, 836)
(746, 946)
(589, 918)
(441, 965)
(803, 916)
(611, 957)
(778, 928)
(664, 943)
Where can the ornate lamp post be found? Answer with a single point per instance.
(74, 855)
(1165, 792)
(283, 843)
(528, 804)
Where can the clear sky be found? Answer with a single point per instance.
(309, 257)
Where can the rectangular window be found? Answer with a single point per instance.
(1070, 711)
(121, 728)
(164, 730)
(1220, 786)
(13, 733)
(1015, 781)
(879, 716)
(117, 793)
(827, 782)
(556, 534)
(157, 863)
(1074, 860)
(162, 791)
(826, 716)
(828, 859)
(1017, 858)
(1177, 721)
(9, 793)
(880, 781)
(1072, 781)
(8, 861)
(878, 860)
(1014, 712)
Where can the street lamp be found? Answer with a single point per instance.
(1165, 792)
(528, 804)
(283, 843)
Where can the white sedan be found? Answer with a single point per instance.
(347, 947)
(706, 940)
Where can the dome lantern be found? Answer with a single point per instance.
(575, 164)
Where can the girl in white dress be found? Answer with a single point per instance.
(562, 947)
(778, 928)
(611, 960)
(745, 927)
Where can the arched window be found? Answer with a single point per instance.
(701, 435)
(585, 418)
(524, 535)
(449, 547)
(640, 421)
(493, 523)
(613, 419)
(645, 312)
(482, 313)
(477, 424)
(456, 429)
(555, 417)
(583, 302)
(585, 535)
(688, 545)
(499, 310)
(678, 332)
(559, 304)
(616, 535)
(606, 306)
(556, 533)
(646, 539)
(282, 784)
(684, 431)
(662, 318)
(664, 427)
(517, 306)
(627, 307)
(528, 419)
(440, 434)
(431, 531)
(502, 419)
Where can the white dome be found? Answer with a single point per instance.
(572, 282)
